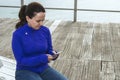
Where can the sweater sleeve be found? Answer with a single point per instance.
(50, 47)
(19, 54)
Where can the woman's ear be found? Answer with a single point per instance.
(27, 18)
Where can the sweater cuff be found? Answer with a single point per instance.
(51, 52)
(44, 59)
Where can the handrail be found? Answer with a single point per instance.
(95, 10)
(68, 9)
(10, 6)
(75, 9)
(22, 2)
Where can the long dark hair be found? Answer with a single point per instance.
(29, 11)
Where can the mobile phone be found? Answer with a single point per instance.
(58, 52)
(56, 55)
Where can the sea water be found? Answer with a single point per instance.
(66, 14)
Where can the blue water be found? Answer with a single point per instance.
(102, 17)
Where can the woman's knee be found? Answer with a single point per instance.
(52, 74)
(26, 75)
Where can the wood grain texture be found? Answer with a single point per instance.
(91, 51)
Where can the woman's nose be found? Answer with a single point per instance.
(41, 23)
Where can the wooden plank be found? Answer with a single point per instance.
(7, 60)
(70, 68)
(8, 67)
(91, 70)
(115, 41)
(6, 77)
(54, 25)
(96, 42)
(48, 23)
(1, 64)
(7, 71)
(106, 43)
(60, 35)
(107, 76)
(108, 67)
(6, 28)
(117, 70)
(87, 41)
(107, 71)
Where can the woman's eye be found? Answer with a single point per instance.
(37, 21)
(40, 21)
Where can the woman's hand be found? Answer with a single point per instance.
(56, 55)
(50, 57)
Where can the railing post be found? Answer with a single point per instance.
(22, 2)
(75, 10)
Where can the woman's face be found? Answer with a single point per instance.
(36, 21)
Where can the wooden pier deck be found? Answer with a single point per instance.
(91, 51)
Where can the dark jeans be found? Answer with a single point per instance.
(48, 74)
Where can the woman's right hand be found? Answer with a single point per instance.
(50, 57)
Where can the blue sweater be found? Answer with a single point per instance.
(30, 48)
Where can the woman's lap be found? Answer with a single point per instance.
(27, 75)
(48, 74)
(52, 74)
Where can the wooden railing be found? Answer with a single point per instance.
(75, 9)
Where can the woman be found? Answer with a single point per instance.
(32, 46)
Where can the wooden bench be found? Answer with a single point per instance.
(7, 70)
(1, 64)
